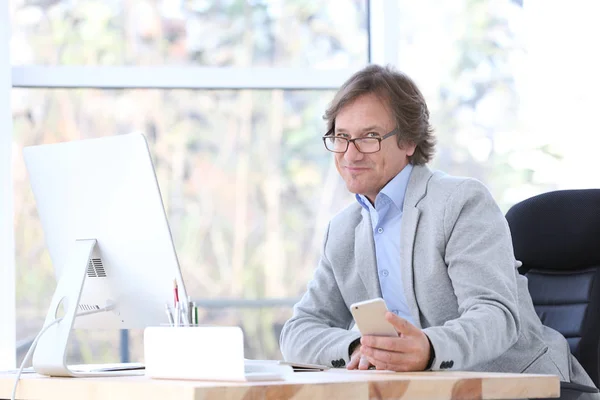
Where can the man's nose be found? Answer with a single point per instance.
(352, 154)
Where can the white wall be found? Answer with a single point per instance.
(7, 253)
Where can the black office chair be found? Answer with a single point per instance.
(557, 237)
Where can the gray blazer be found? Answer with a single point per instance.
(459, 276)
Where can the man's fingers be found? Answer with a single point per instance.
(364, 363)
(397, 344)
(382, 365)
(402, 326)
(384, 356)
(407, 352)
(353, 362)
(359, 361)
(388, 360)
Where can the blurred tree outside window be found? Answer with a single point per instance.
(277, 33)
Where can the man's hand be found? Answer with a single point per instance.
(409, 351)
(358, 360)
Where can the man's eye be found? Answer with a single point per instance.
(341, 136)
(372, 134)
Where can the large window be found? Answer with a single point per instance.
(243, 33)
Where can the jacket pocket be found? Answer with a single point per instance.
(534, 361)
(545, 364)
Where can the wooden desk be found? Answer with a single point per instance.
(330, 385)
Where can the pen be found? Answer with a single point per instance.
(178, 314)
(195, 313)
(175, 292)
(190, 310)
(169, 315)
(183, 316)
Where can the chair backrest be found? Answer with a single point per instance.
(556, 236)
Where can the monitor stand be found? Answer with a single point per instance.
(50, 355)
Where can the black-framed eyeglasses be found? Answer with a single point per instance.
(365, 145)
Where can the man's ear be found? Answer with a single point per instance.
(409, 147)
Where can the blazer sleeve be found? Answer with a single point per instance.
(318, 330)
(481, 266)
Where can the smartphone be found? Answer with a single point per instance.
(370, 319)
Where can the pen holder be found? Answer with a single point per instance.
(211, 353)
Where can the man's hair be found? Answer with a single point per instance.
(404, 99)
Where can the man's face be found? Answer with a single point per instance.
(367, 174)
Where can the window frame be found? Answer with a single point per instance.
(7, 240)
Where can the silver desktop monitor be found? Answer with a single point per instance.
(108, 237)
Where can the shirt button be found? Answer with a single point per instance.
(395, 311)
(380, 230)
(385, 272)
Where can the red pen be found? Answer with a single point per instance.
(176, 292)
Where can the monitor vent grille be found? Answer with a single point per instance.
(95, 268)
(88, 307)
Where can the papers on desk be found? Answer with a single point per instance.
(106, 367)
(28, 370)
(299, 367)
(296, 367)
(263, 370)
(89, 368)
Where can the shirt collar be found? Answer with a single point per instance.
(394, 190)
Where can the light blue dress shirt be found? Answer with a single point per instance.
(386, 220)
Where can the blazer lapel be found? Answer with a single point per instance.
(364, 256)
(410, 219)
(415, 191)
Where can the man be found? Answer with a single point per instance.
(436, 248)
